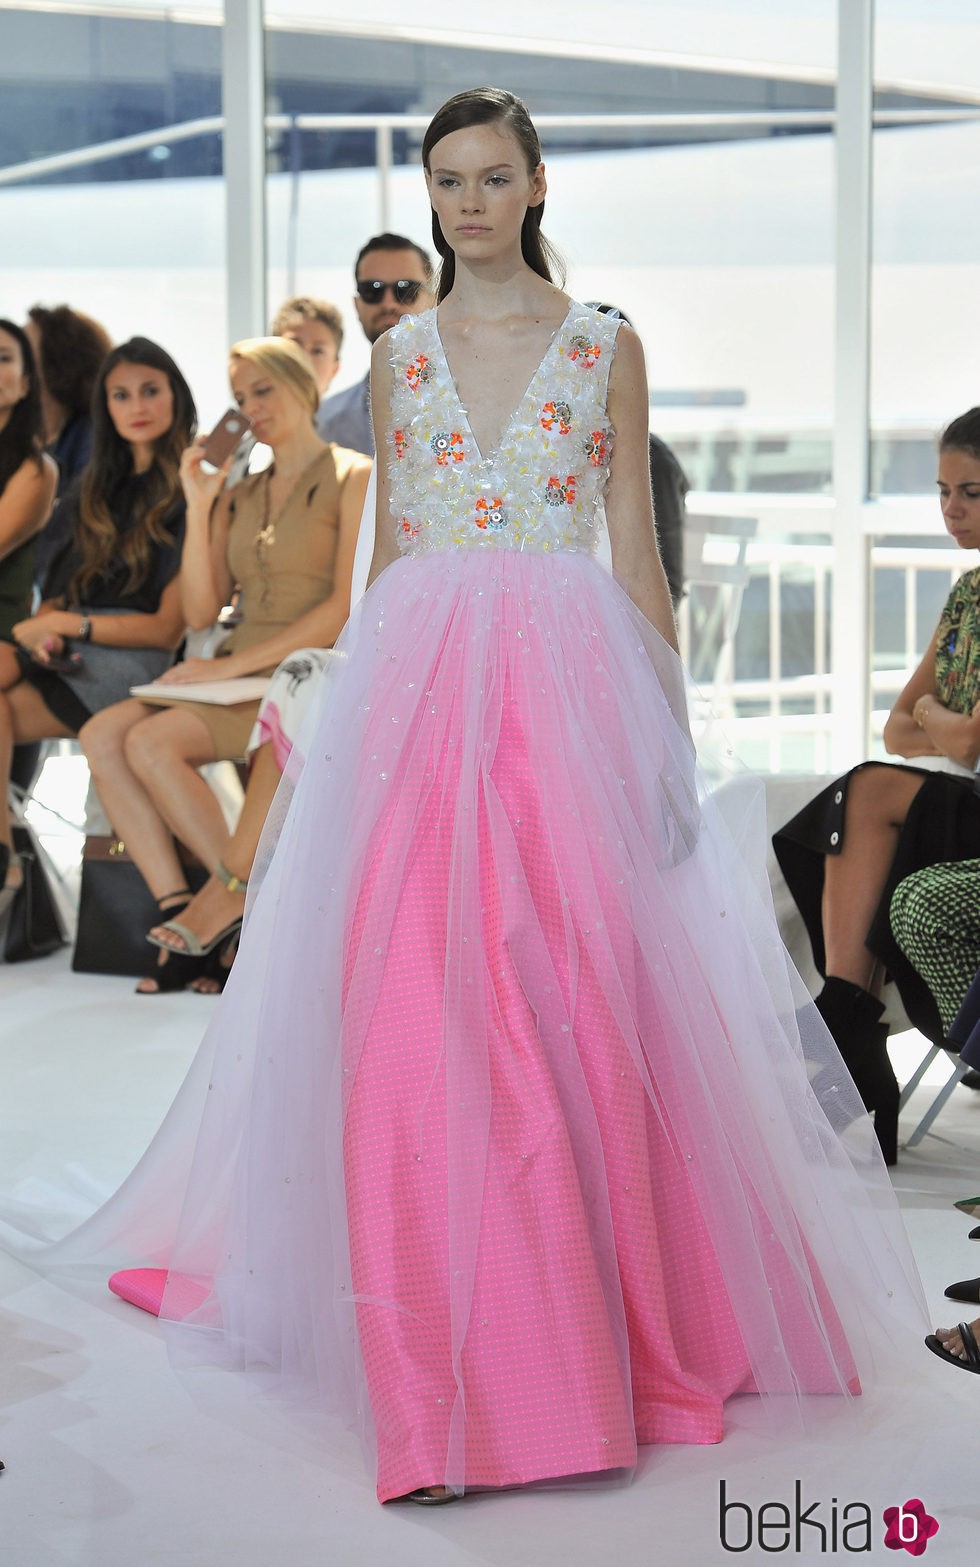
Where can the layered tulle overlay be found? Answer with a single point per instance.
(504, 1143)
(504, 1139)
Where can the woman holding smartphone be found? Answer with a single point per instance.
(113, 614)
(285, 538)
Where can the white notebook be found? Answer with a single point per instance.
(218, 693)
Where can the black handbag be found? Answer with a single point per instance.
(33, 928)
(115, 910)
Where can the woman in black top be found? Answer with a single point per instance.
(113, 618)
(27, 482)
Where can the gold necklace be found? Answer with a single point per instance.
(265, 538)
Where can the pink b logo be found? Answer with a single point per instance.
(909, 1528)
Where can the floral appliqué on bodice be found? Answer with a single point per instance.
(541, 486)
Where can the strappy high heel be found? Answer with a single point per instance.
(179, 968)
(193, 946)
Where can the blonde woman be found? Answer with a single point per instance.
(285, 539)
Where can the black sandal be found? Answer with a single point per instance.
(969, 1342)
(177, 969)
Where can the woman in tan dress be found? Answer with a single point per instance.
(285, 538)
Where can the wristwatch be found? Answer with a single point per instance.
(84, 632)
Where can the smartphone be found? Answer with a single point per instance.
(63, 663)
(225, 437)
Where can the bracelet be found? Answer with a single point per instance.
(84, 632)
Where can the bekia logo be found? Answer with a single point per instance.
(819, 1528)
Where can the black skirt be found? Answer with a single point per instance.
(943, 823)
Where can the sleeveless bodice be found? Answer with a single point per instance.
(541, 486)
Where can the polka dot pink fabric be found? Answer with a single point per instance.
(507, 1149)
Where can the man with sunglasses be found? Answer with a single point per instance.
(394, 278)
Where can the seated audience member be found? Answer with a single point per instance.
(845, 853)
(935, 916)
(318, 328)
(113, 617)
(285, 539)
(69, 348)
(211, 921)
(393, 276)
(27, 486)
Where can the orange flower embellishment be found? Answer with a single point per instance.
(409, 529)
(401, 443)
(556, 414)
(557, 493)
(448, 448)
(596, 448)
(418, 372)
(490, 514)
(584, 352)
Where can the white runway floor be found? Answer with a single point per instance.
(111, 1458)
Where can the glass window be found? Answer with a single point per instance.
(926, 234)
(136, 238)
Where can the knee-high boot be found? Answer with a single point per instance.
(853, 1017)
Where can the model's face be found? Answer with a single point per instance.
(140, 403)
(320, 347)
(13, 382)
(388, 267)
(273, 410)
(959, 496)
(480, 189)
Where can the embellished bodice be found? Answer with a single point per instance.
(541, 486)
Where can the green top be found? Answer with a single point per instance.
(958, 646)
(16, 588)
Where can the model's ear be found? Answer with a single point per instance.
(539, 187)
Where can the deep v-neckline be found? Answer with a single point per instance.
(505, 428)
(270, 518)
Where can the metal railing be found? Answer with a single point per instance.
(781, 722)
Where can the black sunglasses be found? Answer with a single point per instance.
(373, 291)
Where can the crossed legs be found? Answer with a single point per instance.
(217, 905)
(878, 802)
(144, 763)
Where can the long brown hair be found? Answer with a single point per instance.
(22, 435)
(97, 534)
(71, 348)
(492, 106)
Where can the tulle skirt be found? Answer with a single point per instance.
(505, 1143)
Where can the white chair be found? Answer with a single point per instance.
(959, 1070)
(716, 572)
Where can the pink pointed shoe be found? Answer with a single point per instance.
(144, 1287)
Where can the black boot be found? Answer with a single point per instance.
(853, 1017)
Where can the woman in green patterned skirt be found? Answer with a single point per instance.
(846, 852)
(935, 918)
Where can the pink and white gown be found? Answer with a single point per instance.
(510, 1146)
